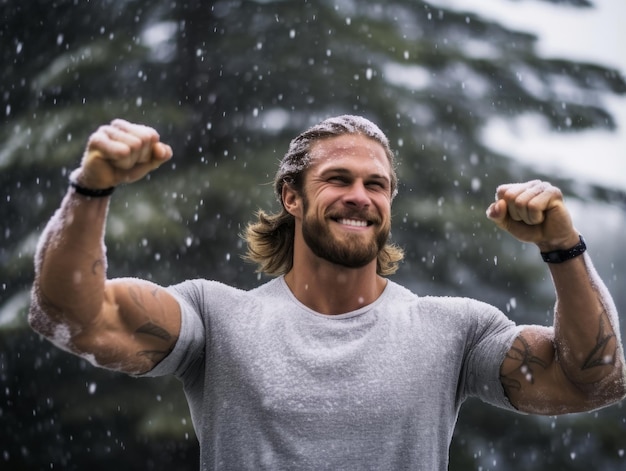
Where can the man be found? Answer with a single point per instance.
(330, 365)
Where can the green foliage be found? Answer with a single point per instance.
(228, 84)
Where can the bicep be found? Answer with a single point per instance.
(533, 379)
(137, 327)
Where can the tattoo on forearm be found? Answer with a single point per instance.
(604, 351)
(521, 353)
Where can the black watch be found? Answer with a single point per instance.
(560, 256)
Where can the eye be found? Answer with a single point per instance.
(337, 179)
(377, 185)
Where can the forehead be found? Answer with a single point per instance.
(355, 149)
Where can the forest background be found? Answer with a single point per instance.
(228, 84)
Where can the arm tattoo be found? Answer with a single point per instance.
(154, 356)
(135, 295)
(158, 333)
(521, 353)
(154, 330)
(97, 266)
(603, 353)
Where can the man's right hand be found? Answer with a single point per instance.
(120, 152)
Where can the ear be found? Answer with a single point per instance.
(292, 201)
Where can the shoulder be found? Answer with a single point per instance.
(202, 293)
(458, 309)
(397, 291)
(198, 289)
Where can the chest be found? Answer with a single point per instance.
(337, 372)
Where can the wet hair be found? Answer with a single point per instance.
(270, 239)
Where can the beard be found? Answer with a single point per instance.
(353, 251)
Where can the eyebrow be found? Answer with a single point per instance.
(344, 171)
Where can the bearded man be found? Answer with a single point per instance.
(330, 365)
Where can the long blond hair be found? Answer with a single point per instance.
(270, 238)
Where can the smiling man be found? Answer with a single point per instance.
(330, 365)
(342, 221)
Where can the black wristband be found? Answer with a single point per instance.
(560, 256)
(81, 190)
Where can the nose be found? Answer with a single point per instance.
(357, 195)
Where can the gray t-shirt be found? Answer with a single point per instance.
(272, 384)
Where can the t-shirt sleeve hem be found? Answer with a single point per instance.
(190, 326)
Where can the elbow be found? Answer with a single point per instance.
(613, 391)
(53, 329)
(39, 319)
(60, 327)
(42, 322)
(48, 320)
(616, 379)
(619, 380)
(607, 391)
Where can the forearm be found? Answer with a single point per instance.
(70, 265)
(586, 325)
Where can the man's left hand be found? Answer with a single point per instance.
(534, 212)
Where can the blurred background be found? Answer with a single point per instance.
(471, 94)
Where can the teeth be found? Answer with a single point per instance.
(353, 222)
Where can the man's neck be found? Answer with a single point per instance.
(331, 289)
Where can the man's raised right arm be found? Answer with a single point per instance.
(124, 324)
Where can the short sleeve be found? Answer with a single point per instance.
(493, 337)
(190, 346)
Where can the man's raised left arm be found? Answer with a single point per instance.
(578, 363)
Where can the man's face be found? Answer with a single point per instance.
(347, 200)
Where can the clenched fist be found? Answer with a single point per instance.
(534, 212)
(120, 152)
